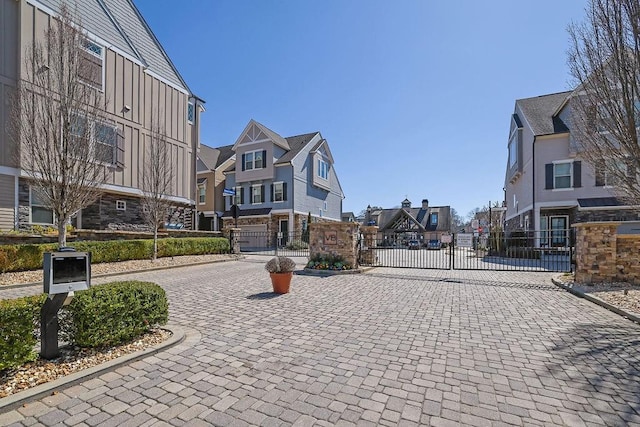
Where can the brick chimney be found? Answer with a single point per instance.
(425, 204)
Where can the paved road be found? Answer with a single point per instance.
(389, 347)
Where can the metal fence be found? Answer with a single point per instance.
(516, 251)
(266, 243)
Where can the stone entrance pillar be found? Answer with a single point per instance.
(368, 255)
(334, 238)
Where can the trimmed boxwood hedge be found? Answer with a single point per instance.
(19, 319)
(29, 257)
(114, 313)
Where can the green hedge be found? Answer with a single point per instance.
(114, 313)
(19, 318)
(29, 257)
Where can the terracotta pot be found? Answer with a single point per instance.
(281, 282)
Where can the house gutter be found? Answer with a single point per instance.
(533, 185)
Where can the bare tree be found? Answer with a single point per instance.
(604, 60)
(65, 144)
(157, 179)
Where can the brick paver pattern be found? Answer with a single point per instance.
(388, 347)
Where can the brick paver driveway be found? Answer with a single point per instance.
(389, 347)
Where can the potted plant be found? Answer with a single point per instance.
(281, 270)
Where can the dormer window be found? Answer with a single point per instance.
(323, 169)
(513, 150)
(254, 160)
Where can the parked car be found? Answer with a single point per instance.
(433, 244)
(413, 244)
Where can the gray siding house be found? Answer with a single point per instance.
(548, 187)
(138, 80)
(279, 182)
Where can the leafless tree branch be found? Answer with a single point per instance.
(56, 121)
(604, 60)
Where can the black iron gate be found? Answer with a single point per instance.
(267, 243)
(516, 251)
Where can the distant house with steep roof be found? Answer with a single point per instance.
(211, 165)
(277, 182)
(398, 225)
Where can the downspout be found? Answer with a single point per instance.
(195, 144)
(536, 218)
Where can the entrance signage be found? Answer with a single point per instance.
(464, 240)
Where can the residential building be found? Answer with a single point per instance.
(548, 187)
(348, 217)
(139, 82)
(399, 225)
(278, 182)
(210, 206)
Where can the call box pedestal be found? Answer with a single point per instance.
(65, 272)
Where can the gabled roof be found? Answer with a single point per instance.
(539, 113)
(296, 144)
(422, 216)
(121, 25)
(212, 158)
(259, 128)
(323, 144)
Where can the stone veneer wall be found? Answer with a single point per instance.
(103, 215)
(603, 255)
(346, 240)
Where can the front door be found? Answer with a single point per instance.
(283, 235)
(559, 229)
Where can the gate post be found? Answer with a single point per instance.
(234, 240)
(368, 252)
(452, 252)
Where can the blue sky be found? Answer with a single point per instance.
(414, 96)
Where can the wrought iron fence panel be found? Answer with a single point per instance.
(268, 243)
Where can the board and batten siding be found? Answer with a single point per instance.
(126, 83)
(7, 202)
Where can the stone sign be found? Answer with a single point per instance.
(330, 237)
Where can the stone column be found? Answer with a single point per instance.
(334, 238)
(234, 234)
(368, 252)
(596, 251)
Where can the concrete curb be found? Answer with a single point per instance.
(598, 301)
(18, 399)
(324, 273)
(121, 273)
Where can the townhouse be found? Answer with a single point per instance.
(278, 183)
(141, 84)
(548, 187)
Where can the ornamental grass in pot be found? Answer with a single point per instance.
(281, 270)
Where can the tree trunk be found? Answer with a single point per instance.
(155, 244)
(62, 233)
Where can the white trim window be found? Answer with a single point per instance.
(513, 149)
(191, 112)
(434, 219)
(103, 137)
(237, 198)
(257, 194)
(202, 194)
(254, 160)
(323, 169)
(92, 64)
(278, 192)
(38, 209)
(121, 205)
(562, 176)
